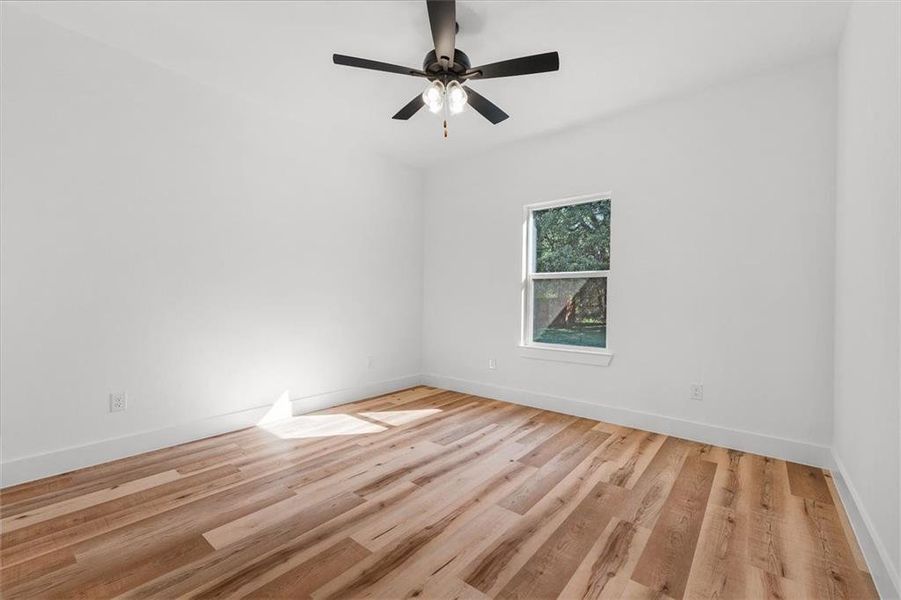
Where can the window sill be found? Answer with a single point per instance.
(598, 358)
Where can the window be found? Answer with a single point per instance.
(567, 267)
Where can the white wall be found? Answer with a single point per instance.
(164, 239)
(722, 258)
(867, 268)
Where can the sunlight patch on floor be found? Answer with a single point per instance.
(279, 421)
(399, 417)
(314, 426)
(280, 410)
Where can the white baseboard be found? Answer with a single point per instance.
(746, 441)
(29, 468)
(885, 576)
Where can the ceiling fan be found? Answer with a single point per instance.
(448, 70)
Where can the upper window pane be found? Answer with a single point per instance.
(573, 238)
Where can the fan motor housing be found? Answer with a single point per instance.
(435, 69)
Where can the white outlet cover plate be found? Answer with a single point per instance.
(118, 402)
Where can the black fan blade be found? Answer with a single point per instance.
(410, 108)
(537, 63)
(374, 65)
(443, 19)
(484, 106)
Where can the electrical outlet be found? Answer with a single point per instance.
(696, 391)
(492, 364)
(118, 401)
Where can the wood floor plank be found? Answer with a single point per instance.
(229, 456)
(391, 399)
(828, 571)
(464, 452)
(432, 572)
(294, 512)
(10, 496)
(402, 468)
(448, 589)
(629, 473)
(441, 499)
(304, 579)
(557, 443)
(185, 521)
(469, 452)
(429, 493)
(491, 413)
(718, 568)
(119, 472)
(34, 568)
(111, 577)
(200, 485)
(548, 424)
(667, 558)
(393, 557)
(770, 537)
(462, 410)
(636, 591)
(552, 472)
(808, 482)
(654, 485)
(273, 551)
(605, 571)
(11, 524)
(499, 563)
(763, 585)
(547, 572)
(129, 504)
(732, 477)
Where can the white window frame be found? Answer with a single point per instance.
(557, 352)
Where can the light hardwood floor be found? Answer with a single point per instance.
(433, 494)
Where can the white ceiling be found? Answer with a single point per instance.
(613, 55)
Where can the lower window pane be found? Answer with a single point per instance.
(570, 311)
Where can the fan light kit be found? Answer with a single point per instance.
(452, 97)
(448, 69)
(456, 97)
(433, 96)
